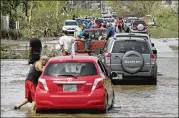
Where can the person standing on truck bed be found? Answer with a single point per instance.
(35, 49)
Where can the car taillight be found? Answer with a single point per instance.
(152, 59)
(42, 84)
(98, 83)
(108, 60)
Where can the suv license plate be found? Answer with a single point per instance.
(69, 88)
(119, 76)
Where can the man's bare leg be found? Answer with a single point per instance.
(25, 101)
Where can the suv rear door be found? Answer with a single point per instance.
(121, 46)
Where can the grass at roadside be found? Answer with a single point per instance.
(160, 32)
(174, 47)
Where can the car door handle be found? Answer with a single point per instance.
(116, 56)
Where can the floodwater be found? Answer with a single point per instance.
(131, 100)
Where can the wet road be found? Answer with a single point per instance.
(131, 100)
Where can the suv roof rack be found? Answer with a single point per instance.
(130, 35)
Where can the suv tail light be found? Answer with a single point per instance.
(98, 83)
(152, 59)
(108, 60)
(42, 84)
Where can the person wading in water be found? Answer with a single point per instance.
(32, 81)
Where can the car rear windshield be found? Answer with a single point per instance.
(70, 23)
(139, 22)
(124, 46)
(130, 20)
(71, 68)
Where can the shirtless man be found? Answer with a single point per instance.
(32, 81)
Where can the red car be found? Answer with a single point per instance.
(79, 82)
(96, 43)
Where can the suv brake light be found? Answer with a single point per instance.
(98, 83)
(152, 58)
(42, 84)
(108, 60)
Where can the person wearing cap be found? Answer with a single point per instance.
(35, 49)
(32, 81)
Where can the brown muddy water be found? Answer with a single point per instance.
(131, 100)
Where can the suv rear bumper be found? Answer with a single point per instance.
(138, 74)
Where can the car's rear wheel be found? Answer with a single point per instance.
(153, 79)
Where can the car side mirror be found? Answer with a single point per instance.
(154, 52)
(153, 44)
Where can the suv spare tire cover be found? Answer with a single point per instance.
(132, 62)
(140, 27)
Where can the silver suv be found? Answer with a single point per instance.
(130, 57)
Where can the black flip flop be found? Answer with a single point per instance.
(15, 107)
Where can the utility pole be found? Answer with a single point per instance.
(101, 6)
(57, 10)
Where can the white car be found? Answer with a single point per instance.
(70, 26)
(107, 16)
(111, 20)
(127, 23)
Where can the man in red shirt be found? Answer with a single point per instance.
(119, 24)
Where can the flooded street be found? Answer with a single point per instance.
(131, 100)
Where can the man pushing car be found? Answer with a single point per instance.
(32, 81)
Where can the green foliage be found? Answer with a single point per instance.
(165, 18)
(160, 32)
(42, 15)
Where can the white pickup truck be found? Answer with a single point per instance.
(70, 26)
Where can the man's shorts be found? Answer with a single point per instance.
(30, 89)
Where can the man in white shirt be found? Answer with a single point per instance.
(66, 42)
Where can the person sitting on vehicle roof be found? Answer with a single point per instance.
(88, 24)
(104, 24)
(79, 32)
(110, 31)
(86, 41)
(97, 23)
